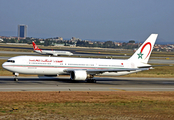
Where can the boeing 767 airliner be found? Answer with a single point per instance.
(82, 68)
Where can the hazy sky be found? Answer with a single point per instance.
(89, 19)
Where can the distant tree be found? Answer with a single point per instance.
(82, 43)
(13, 41)
(28, 38)
(95, 45)
(109, 44)
(37, 41)
(131, 41)
(124, 44)
(59, 42)
(47, 42)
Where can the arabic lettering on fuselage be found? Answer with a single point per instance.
(58, 61)
(45, 60)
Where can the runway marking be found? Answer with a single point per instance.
(117, 89)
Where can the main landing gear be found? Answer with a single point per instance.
(91, 81)
(16, 75)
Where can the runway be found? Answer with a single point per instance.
(102, 84)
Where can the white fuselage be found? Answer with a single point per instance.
(54, 53)
(56, 65)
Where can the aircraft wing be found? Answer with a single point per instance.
(99, 71)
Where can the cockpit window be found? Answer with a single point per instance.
(12, 61)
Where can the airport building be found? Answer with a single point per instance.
(22, 31)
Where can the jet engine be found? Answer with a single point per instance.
(78, 75)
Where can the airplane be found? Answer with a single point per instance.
(82, 68)
(50, 52)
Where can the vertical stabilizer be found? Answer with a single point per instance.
(143, 53)
(35, 46)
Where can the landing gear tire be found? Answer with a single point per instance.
(16, 79)
(91, 81)
(16, 75)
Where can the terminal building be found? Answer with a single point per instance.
(22, 31)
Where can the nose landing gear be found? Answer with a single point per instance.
(16, 75)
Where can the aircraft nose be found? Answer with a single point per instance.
(4, 65)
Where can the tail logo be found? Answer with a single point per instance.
(140, 54)
(35, 47)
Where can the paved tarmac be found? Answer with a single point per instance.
(102, 84)
(79, 54)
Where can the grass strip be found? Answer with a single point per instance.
(87, 105)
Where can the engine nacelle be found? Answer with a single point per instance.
(78, 75)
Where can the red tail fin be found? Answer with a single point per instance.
(35, 46)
